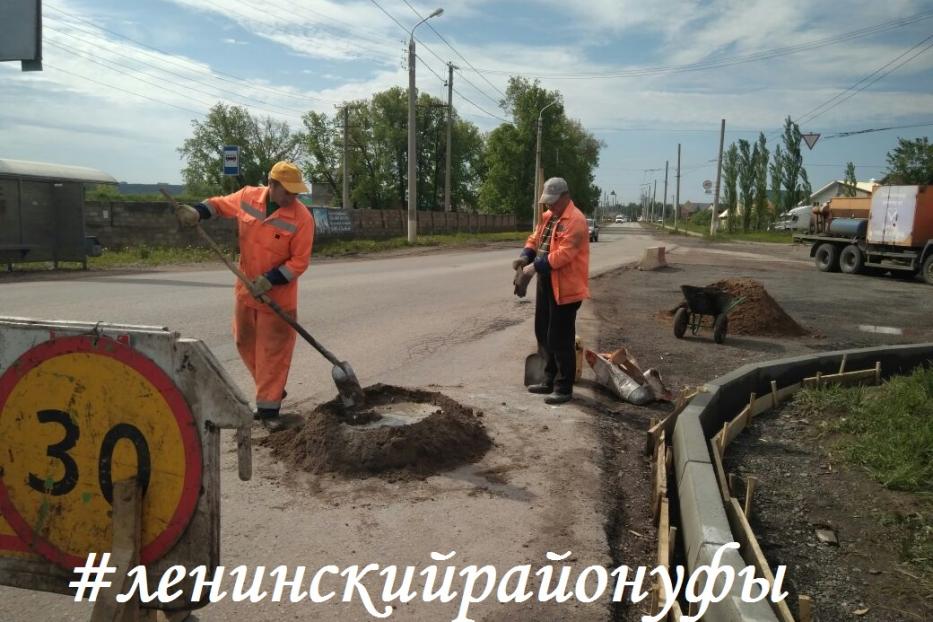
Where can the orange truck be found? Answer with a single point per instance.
(896, 235)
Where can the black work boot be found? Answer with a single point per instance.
(542, 388)
(558, 398)
(265, 414)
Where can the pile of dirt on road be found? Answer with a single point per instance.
(758, 315)
(446, 434)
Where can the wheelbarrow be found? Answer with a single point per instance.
(701, 301)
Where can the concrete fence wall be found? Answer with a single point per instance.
(118, 224)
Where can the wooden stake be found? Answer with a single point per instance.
(842, 365)
(774, 399)
(819, 376)
(878, 372)
(127, 534)
(805, 605)
(750, 485)
(671, 543)
(733, 483)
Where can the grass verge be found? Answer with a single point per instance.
(773, 237)
(888, 431)
(144, 256)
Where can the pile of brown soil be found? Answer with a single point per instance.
(759, 314)
(330, 442)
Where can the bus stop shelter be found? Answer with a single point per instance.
(42, 212)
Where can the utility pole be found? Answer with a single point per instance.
(664, 199)
(677, 195)
(346, 156)
(713, 221)
(654, 199)
(412, 146)
(450, 117)
(538, 182)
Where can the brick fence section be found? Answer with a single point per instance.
(117, 224)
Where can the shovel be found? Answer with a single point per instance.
(534, 369)
(351, 393)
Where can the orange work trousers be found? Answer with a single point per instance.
(265, 343)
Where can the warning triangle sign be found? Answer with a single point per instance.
(810, 139)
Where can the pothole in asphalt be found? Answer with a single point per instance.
(400, 432)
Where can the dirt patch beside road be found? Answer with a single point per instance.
(626, 302)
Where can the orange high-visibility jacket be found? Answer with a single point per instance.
(569, 254)
(282, 240)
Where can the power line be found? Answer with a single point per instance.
(735, 60)
(223, 94)
(117, 88)
(457, 52)
(214, 73)
(876, 129)
(134, 73)
(809, 116)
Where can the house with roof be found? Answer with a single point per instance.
(838, 188)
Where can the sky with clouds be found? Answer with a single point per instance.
(122, 81)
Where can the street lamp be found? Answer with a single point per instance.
(614, 204)
(412, 154)
(534, 205)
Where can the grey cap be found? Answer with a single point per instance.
(553, 188)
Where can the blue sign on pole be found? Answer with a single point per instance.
(231, 160)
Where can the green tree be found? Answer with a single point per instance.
(794, 180)
(850, 180)
(321, 145)
(747, 171)
(777, 173)
(510, 152)
(910, 163)
(760, 156)
(262, 142)
(730, 174)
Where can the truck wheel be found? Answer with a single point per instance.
(720, 328)
(927, 270)
(827, 258)
(680, 323)
(851, 259)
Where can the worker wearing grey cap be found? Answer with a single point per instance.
(559, 253)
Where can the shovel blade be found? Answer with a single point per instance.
(351, 393)
(534, 369)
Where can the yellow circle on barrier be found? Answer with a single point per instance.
(76, 415)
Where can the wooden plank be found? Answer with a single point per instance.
(753, 554)
(734, 428)
(660, 477)
(663, 553)
(788, 392)
(844, 378)
(750, 484)
(805, 606)
(667, 423)
(720, 472)
(127, 533)
(762, 405)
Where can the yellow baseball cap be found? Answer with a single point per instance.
(289, 176)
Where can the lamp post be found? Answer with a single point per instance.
(614, 204)
(412, 145)
(534, 205)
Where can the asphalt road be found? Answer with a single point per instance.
(445, 319)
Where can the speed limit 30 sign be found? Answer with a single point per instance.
(77, 414)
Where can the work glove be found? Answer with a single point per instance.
(260, 285)
(520, 282)
(520, 263)
(187, 216)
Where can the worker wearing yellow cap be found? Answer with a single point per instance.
(276, 233)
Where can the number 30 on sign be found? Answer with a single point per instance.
(76, 415)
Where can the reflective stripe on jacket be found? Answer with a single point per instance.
(569, 254)
(282, 240)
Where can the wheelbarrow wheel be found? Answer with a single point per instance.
(680, 322)
(720, 328)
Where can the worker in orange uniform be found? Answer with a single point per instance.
(559, 253)
(276, 233)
